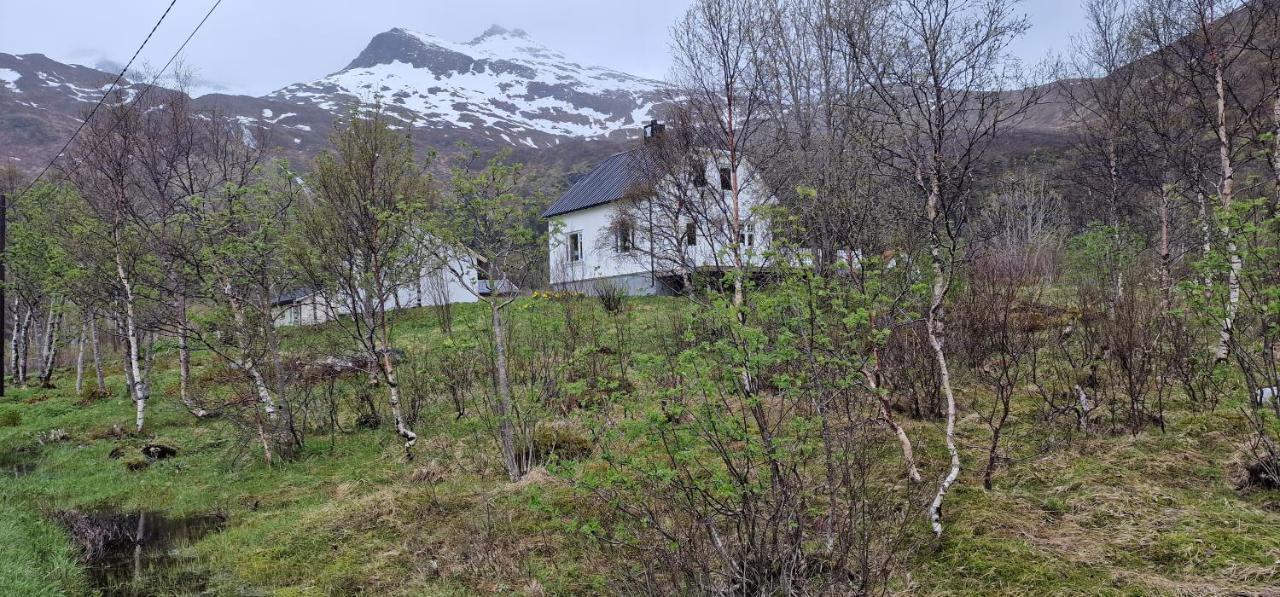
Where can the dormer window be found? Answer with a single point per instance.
(726, 179)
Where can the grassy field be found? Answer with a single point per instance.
(1155, 513)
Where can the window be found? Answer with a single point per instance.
(747, 237)
(691, 233)
(575, 247)
(625, 237)
(482, 268)
(726, 179)
(296, 313)
(699, 176)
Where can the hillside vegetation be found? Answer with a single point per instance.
(1150, 513)
(898, 357)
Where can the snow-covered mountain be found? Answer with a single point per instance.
(501, 89)
(501, 84)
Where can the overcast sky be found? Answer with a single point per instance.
(258, 46)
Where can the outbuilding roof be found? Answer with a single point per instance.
(614, 178)
(292, 296)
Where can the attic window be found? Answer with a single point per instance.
(726, 179)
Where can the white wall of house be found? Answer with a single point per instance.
(597, 254)
(434, 287)
(596, 257)
(306, 311)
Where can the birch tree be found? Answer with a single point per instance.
(102, 167)
(357, 232)
(1100, 100)
(1208, 45)
(714, 49)
(39, 273)
(481, 235)
(941, 74)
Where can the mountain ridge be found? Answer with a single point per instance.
(499, 89)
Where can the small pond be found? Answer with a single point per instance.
(141, 553)
(16, 463)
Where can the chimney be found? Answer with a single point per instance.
(653, 131)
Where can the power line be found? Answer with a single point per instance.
(166, 66)
(105, 94)
(138, 100)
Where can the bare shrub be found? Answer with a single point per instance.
(612, 297)
(911, 373)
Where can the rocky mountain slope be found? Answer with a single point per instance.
(501, 89)
(502, 84)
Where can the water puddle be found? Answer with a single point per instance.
(141, 553)
(17, 463)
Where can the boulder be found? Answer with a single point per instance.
(158, 451)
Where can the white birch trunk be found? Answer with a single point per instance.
(184, 359)
(80, 361)
(1206, 235)
(1113, 161)
(1082, 402)
(23, 347)
(99, 377)
(936, 329)
(506, 432)
(20, 320)
(137, 383)
(50, 350)
(1166, 282)
(45, 340)
(393, 397)
(1225, 191)
(1275, 150)
(248, 363)
(260, 386)
(908, 453)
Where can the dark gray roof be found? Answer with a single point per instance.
(610, 180)
(292, 296)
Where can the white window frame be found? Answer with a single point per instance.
(574, 256)
(624, 232)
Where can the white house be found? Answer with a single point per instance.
(632, 223)
(435, 285)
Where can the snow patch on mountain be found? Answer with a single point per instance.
(501, 80)
(10, 78)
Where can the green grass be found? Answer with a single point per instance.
(35, 557)
(1119, 515)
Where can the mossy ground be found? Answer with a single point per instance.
(1148, 514)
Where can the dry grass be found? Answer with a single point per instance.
(1152, 514)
